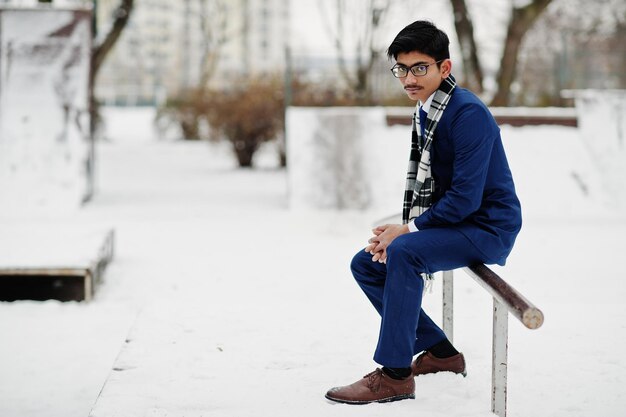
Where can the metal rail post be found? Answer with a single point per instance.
(448, 304)
(499, 358)
(505, 300)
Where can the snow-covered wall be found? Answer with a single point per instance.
(44, 123)
(602, 122)
(345, 158)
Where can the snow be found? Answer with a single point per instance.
(224, 301)
(43, 108)
(333, 156)
(602, 114)
(29, 245)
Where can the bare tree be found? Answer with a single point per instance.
(100, 51)
(522, 19)
(472, 72)
(357, 25)
(212, 19)
(575, 44)
(189, 104)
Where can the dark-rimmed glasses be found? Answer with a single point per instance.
(419, 70)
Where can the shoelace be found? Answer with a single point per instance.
(373, 379)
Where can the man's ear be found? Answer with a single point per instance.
(446, 68)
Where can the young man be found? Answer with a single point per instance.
(460, 208)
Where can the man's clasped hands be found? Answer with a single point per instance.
(383, 236)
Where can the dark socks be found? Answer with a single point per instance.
(443, 349)
(397, 373)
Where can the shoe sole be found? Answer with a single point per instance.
(382, 400)
(464, 373)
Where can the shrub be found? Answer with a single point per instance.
(187, 110)
(250, 113)
(247, 116)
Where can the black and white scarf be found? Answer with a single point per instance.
(419, 181)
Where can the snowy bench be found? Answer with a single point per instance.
(505, 299)
(63, 262)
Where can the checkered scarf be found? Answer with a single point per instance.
(419, 182)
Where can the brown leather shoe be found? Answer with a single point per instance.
(426, 363)
(374, 387)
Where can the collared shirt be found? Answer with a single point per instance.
(426, 105)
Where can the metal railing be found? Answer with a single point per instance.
(505, 300)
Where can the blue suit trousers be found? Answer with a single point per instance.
(395, 289)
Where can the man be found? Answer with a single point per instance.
(460, 208)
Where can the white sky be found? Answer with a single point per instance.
(309, 30)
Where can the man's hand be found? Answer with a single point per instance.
(383, 236)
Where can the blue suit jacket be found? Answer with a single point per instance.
(474, 190)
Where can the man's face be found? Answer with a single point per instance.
(421, 87)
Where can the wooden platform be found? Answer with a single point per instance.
(62, 262)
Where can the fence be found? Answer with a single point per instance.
(505, 299)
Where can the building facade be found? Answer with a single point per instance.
(171, 47)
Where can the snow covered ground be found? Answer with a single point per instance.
(222, 301)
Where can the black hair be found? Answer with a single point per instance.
(421, 36)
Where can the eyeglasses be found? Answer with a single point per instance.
(419, 70)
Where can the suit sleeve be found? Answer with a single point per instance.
(473, 133)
